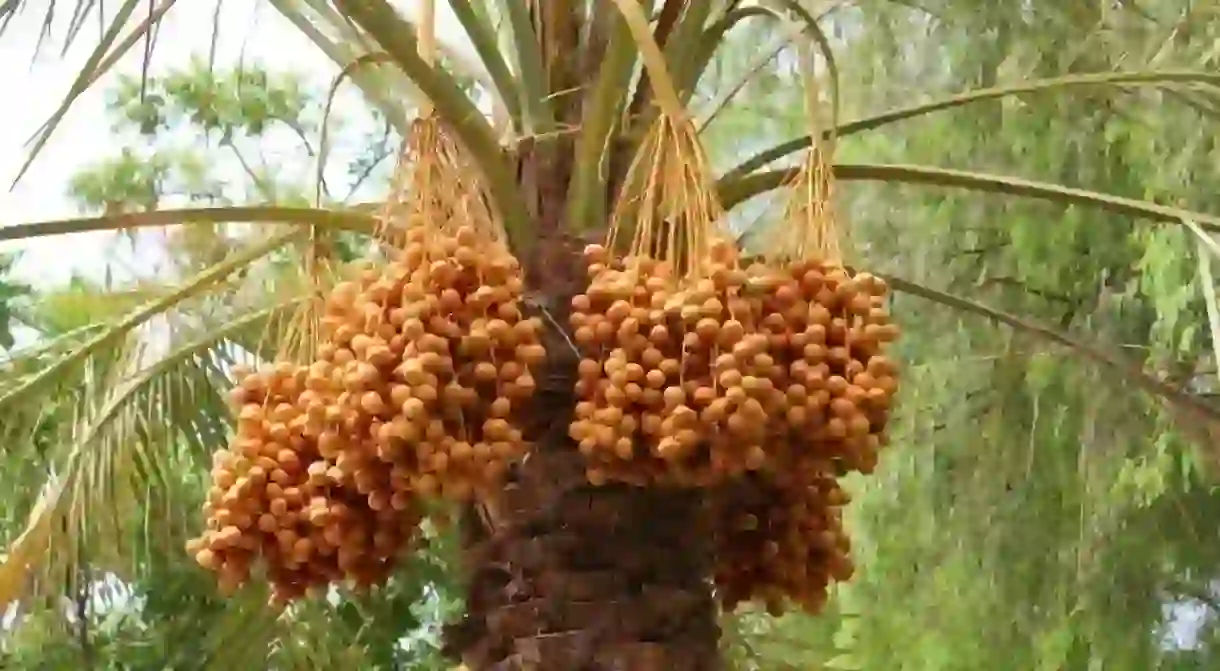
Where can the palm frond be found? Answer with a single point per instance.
(111, 416)
(1153, 78)
(1172, 394)
(74, 307)
(483, 37)
(355, 219)
(137, 318)
(104, 57)
(240, 635)
(1208, 250)
(133, 430)
(387, 91)
(535, 103)
(682, 43)
(736, 191)
(23, 360)
(604, 103)
(396, 36)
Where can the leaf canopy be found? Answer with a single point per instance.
(1061, 503)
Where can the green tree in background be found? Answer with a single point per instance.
(200, 135)
(149, 615)
(260, 129)
(12, 293)
(1050, 489)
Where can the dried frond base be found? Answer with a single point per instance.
(583, 577)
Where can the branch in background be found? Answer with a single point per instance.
(1155, 78)
(766, 59)
(1173, 396)
(349, 70)
(977, 251)
(341, 54)
(814, 32)
(1025, 288)
(82, 620)
(271, 185)
(385, 151)
(736, 191)
(100, 61)
(714, 36)
(268, 192)
(296, 128)
(358, 218)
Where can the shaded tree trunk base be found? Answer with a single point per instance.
(565, 576)
(580, 578)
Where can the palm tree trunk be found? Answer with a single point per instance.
(575, 577)
(565, 576)
(580, 578)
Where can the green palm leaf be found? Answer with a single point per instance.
(1156, 78)
(112, 420)
(736, 191)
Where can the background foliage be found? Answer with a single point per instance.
(162, 612)
(1034, 512)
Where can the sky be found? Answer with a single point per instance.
(84, 136)
(40, 84)
(253, 31)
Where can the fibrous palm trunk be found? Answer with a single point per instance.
(565, 576)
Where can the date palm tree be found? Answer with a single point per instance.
(563, 95)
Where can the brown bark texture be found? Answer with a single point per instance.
(565, 576)
(575, 577)
(562, 575)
